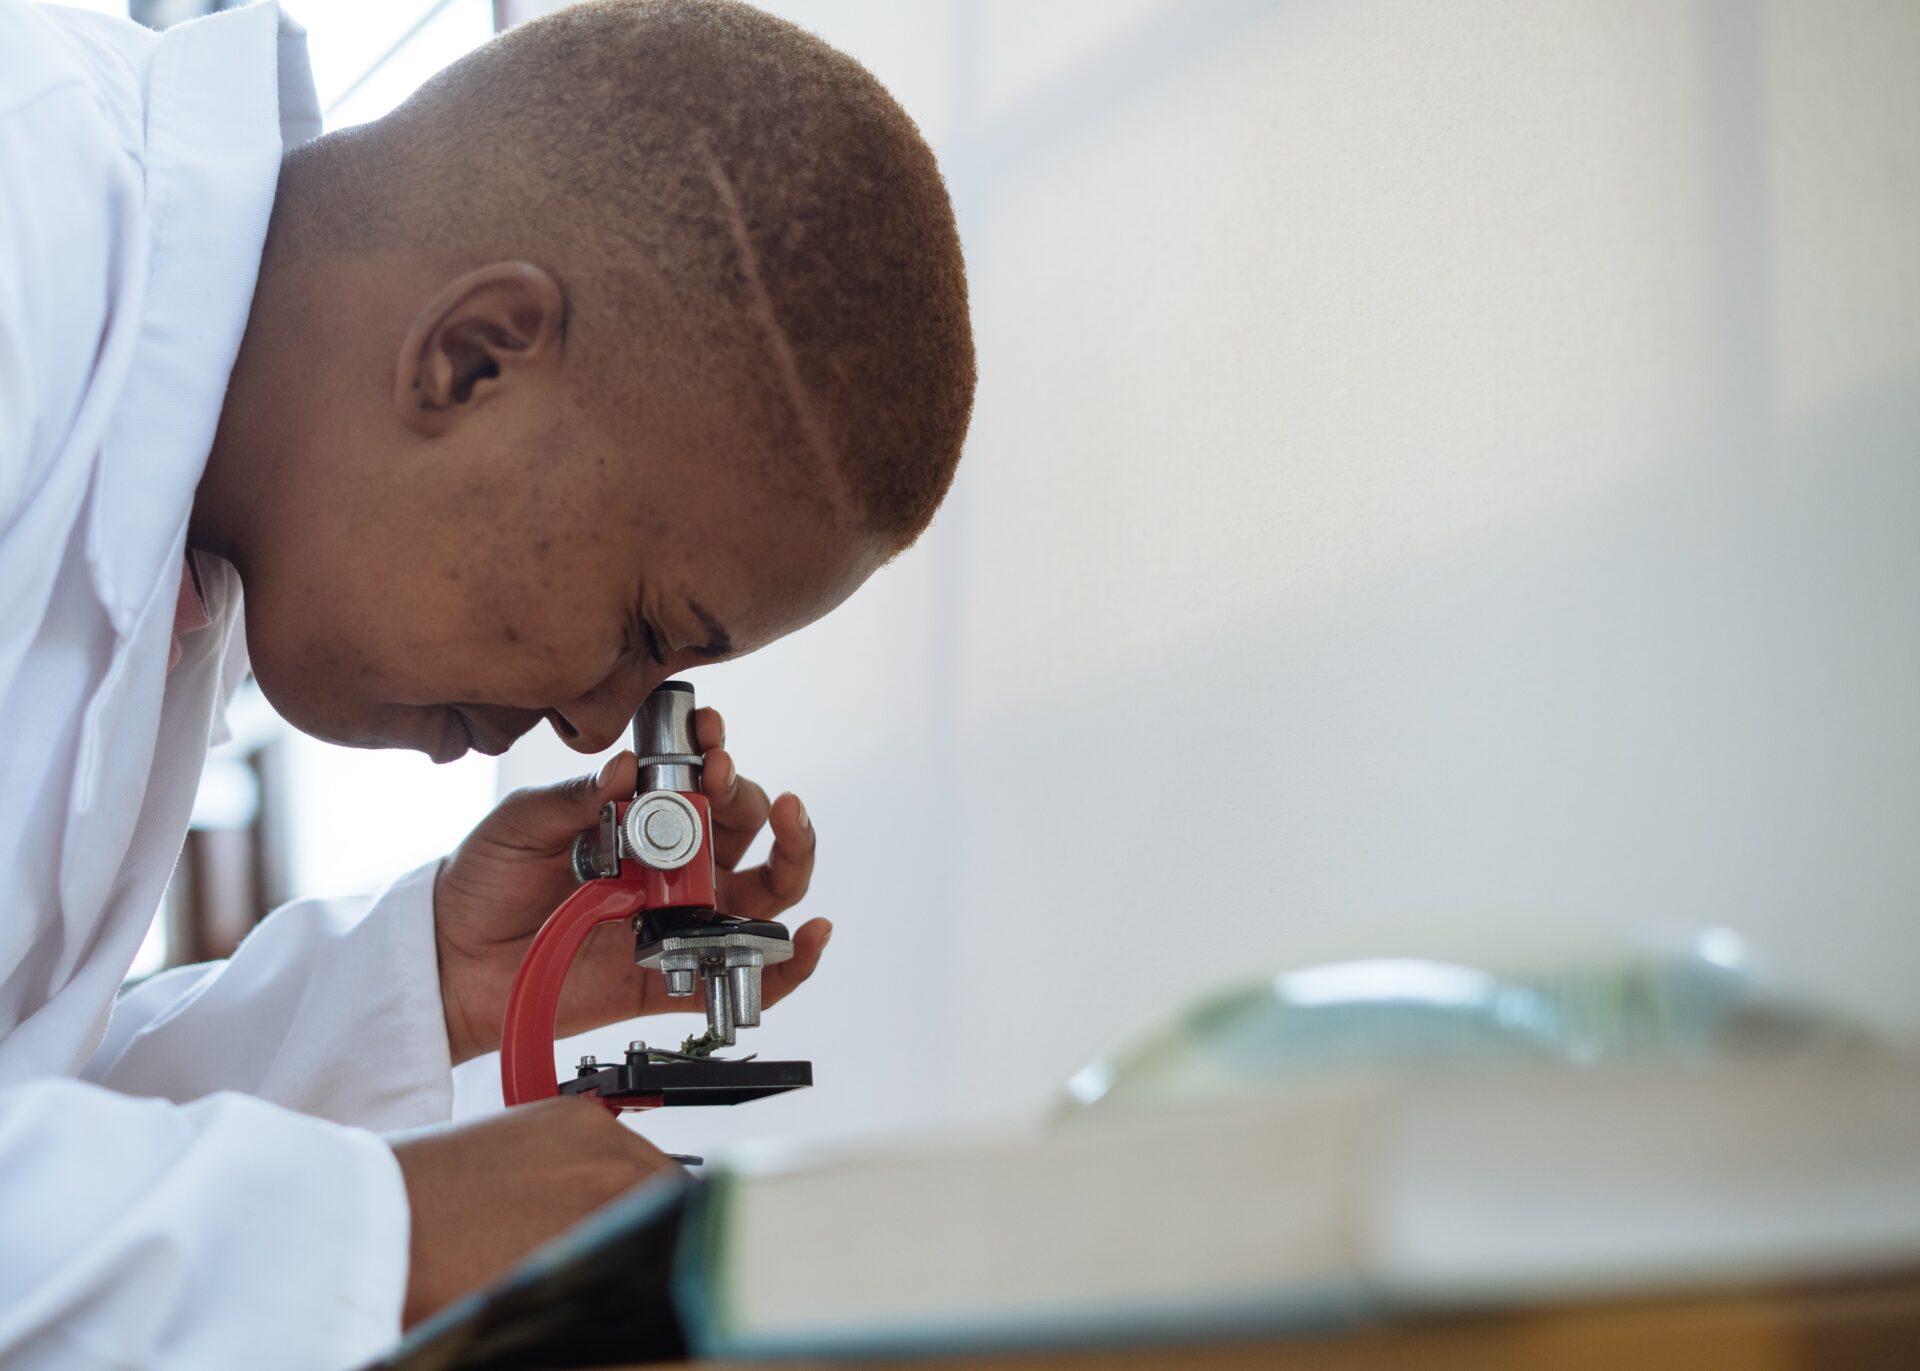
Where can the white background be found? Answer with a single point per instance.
(1436, 467)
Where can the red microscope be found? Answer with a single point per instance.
(649, 863)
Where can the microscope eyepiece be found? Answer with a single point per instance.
(663, 739)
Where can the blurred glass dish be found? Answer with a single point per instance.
(1695, 1001)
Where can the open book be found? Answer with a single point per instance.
(1332, 1204)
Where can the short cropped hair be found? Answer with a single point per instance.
(745, 197)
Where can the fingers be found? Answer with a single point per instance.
(765, 891)
(545, 818)
(740, 808)
(780, 980)
(614, 781)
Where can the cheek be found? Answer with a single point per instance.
(459, 619)
(343, 639)
(522, 640)
(540, 660)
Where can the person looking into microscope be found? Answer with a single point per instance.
(633, 341)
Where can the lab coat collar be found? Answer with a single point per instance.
(226, 95)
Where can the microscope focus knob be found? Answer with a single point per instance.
(662, 829)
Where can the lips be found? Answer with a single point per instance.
(482, 739)
(461, 733)
(456, 738)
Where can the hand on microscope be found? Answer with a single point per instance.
(501, 883)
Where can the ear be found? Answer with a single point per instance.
(482, 332)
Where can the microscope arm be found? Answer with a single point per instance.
(526, 1037)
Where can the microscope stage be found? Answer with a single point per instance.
(663, 1084)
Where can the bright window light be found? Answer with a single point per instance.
(356, 819)
(1387, 978)
(369, 55)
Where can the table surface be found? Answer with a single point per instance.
(1854, 1326)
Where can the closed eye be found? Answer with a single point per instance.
(650, 642)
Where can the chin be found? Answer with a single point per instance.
(312, 716)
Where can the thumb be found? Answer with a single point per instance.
(544, 815)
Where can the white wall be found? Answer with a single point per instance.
(1435, 463)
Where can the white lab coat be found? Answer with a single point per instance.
(146, 1218)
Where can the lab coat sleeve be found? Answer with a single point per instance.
(222, 1233)
(330, 1007)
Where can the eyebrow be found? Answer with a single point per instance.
(719, 642)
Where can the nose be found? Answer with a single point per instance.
(597, 721)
